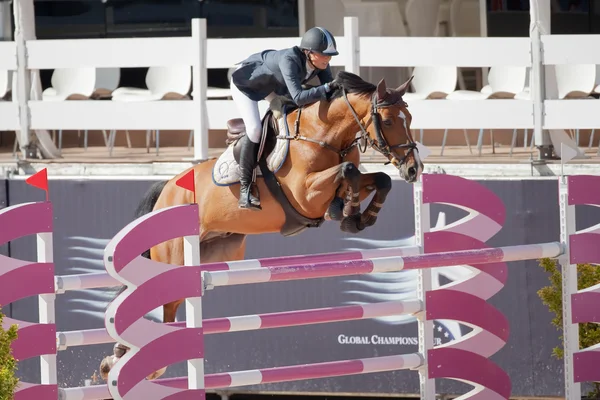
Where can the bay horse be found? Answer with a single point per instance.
(319, 179)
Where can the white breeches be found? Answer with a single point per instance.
(249, 112)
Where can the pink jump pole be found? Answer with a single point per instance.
(95, 280)
(263, 321)
(269, 375)
(383, 264)
(301, 372)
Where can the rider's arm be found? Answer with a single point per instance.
(290, 71)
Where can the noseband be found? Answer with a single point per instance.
(380, 144)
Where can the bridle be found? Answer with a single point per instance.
(379, 144)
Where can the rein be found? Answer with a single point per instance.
(379, 145)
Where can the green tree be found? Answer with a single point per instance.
(589, 333)
(8, 365)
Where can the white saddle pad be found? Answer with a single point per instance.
(226, 170)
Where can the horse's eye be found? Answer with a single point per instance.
(388, 122)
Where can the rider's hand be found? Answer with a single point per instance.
(333, 86)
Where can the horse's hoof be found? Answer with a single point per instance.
(156, 374)
(352, 224)
(335, 211)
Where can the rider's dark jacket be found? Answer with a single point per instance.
(282, 72)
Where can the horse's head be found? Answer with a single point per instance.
(390, 130)
(387, 129)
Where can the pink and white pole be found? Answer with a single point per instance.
(384, 264)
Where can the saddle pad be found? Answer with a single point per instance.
(226, 170)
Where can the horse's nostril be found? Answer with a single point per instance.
(412, 171)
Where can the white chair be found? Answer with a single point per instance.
(160, 81)
(435, 83)
(432, 81)
(67, 82)
(506, 79)
(503, 82)
(596, 92)
(575, 81)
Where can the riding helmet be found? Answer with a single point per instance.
(319, 40)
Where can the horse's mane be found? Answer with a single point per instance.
(353, 84)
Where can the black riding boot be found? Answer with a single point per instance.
(248, 163)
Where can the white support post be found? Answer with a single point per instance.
(539, 83)
(352, 39)
(193, 312)
(569, 287)
(199, 82)
(425, 328)
(24, 23)
(47, 313)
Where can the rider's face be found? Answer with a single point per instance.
(320, 61)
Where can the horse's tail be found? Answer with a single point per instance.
(145, 206)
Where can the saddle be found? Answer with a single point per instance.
(236, 133)
(295, 222)
(279, 107)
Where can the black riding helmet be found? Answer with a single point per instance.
(319, 40)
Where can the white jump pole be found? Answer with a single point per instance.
(46, 310)
(569, 286)
(424, 284)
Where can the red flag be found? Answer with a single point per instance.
(39, 180)
(187, 182)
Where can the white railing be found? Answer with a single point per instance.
(201, 114)
(571, 49)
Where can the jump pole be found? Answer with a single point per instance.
(384, 264)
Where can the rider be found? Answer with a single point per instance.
(263, 75)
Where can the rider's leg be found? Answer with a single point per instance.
(248, 155)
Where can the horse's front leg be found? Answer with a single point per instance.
(360, 186)
(351, 221)
(382, 184)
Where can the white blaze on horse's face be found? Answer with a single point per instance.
(412, 168)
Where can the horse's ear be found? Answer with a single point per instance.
(381, 89)
(402, 88)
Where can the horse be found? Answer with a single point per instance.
(318, 179)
